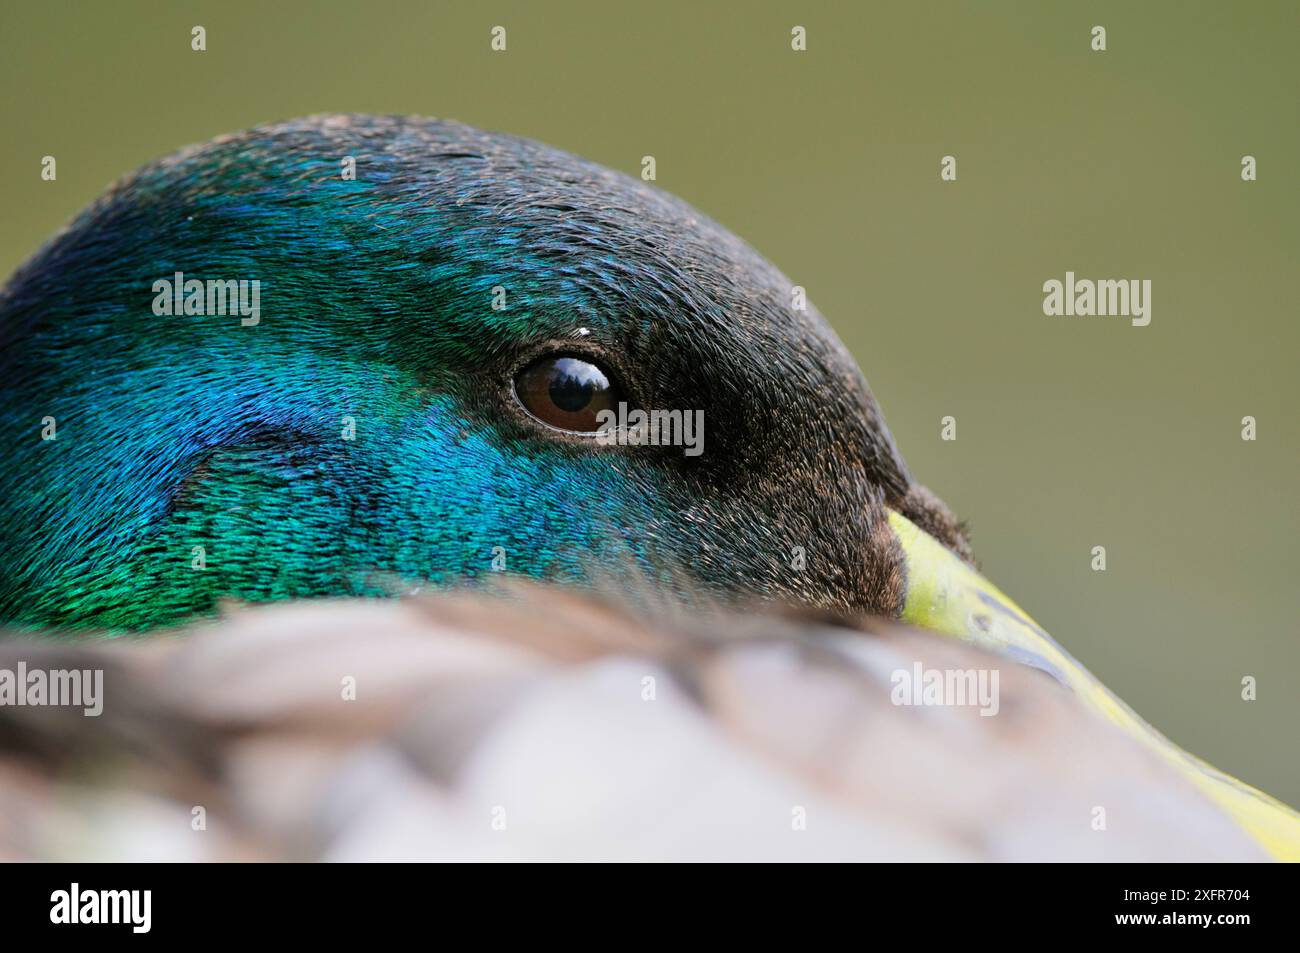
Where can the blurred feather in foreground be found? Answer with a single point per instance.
(526, 710)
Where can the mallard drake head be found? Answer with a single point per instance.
(415, 394)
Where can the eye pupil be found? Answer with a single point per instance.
(569, 391)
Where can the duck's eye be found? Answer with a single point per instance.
(567, 393)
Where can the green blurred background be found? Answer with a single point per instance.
(1072, 432)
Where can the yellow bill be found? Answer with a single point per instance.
(948, 596)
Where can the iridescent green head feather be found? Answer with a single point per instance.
(365, 428)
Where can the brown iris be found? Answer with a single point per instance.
(567, 393)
